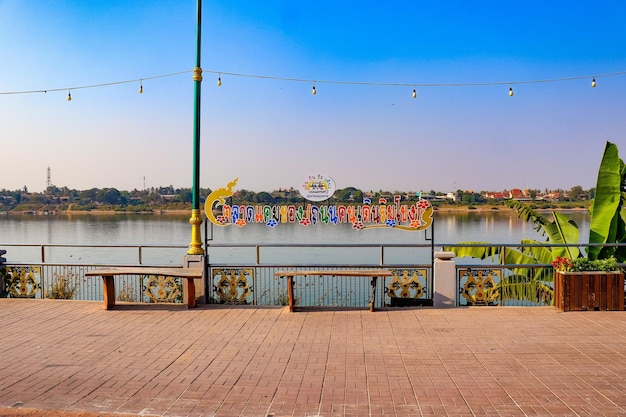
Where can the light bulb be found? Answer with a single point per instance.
(314, 92)
(69, 96)
(140, 88)
(510, 91)
(593, 83)
(414, 93)
(219, 81)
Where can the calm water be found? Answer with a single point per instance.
(129, 229)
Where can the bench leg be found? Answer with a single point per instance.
(373, 296)
(191, 293)
(108, 284)
(290, 292)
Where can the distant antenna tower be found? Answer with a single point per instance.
(49, 180)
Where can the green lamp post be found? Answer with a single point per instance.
(195, 246)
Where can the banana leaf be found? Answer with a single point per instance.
(521, 288)
(607, 223)
(560, 231)
(511, 255)
(566, 232)
(541, 254)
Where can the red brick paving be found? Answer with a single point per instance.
(72, 358)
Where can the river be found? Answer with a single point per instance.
(496, 226)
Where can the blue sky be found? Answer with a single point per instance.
(272, 133)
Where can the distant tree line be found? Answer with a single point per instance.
(163, 198)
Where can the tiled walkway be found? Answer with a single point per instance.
(72, 358)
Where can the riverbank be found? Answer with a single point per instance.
(448, 208)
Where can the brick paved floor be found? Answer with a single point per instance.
(72, 358)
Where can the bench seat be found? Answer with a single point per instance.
(108, 281)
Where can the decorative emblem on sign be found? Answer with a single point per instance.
(412, 217)
(317, 187)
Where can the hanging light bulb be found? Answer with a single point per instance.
(414, 93)
(314, 92)
(69, 95)
(593, 83)
(510, 91)
(140, 87)
(219, 81)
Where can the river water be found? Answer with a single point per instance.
(174, 229)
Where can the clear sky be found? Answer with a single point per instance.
(272, 133)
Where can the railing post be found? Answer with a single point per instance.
(444, 279)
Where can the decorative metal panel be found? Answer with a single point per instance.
(23, 281)
(233, 285)
(162, 289)
(480, 287)
(408, 287)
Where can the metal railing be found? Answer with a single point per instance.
(258, 285)
(252, 282)
(377, 254)
(105, 255)
(492, 282)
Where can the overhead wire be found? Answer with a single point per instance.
(322, 81)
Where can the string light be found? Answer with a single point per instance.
(314, 92)
(269, 77)
(219, 81)
(69, 95)
(49, 90)
(414, 93)
(511, 92)
(481, 84)
(140, 87)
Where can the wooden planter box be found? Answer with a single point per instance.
(588, 291)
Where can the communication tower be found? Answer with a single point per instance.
(49, 180)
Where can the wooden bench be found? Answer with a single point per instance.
(108, 274)
(372, 273)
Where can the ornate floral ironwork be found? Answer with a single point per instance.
(407, 285)
(233, 285)
(480, 287)
(162, 289)
(23, 281)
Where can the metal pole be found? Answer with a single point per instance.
(195, 246)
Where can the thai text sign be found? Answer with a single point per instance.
(392, 214)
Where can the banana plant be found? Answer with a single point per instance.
(608, 225)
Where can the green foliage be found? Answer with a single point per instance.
(521, 287)
(561, 230)
(607, 221)
(586, 264)
(608, 225)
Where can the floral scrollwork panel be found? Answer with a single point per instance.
(407, 283)
(480, 288)
(162, 289)
(233, 286)
(23, 281)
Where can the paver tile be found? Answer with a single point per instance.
(82, 361)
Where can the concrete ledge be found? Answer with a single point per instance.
(445, 255)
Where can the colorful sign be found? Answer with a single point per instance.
(317, 187)
(392, 214)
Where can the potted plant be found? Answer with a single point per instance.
(583, 284)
